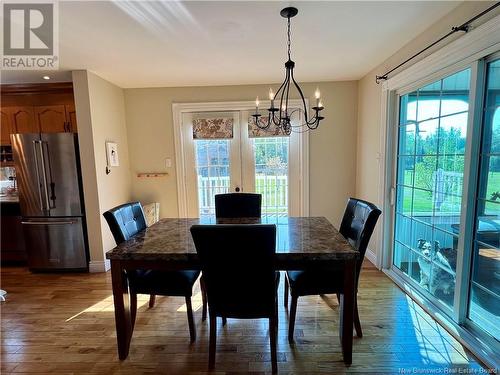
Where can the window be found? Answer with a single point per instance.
(271, 174)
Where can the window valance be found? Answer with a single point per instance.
(213, 128)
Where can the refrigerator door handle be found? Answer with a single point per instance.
(51, 200)
(62, 222)
(38, 175)
(44, 174)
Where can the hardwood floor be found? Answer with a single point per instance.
(64, 323)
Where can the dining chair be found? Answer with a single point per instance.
(236, 205)
(243, 252)
(357, 226)
(125, 221)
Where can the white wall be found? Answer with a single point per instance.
(100, 109)
(332, 146)
(369, 104)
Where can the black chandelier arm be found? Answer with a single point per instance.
(301, 97)
(286, 84)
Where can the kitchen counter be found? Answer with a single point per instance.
(9, 199)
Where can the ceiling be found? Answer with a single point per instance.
(197, 43)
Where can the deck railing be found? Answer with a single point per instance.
(274, 190)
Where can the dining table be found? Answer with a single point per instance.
(301, 243)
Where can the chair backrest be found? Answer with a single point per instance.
(358, 223)
(238, 268)
(125, 221)
(238, 205)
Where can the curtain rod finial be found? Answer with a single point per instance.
(380, 78)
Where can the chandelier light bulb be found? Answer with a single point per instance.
(317, 93)
(271, 94)
(257, 102)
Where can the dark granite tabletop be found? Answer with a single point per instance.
(299, 239)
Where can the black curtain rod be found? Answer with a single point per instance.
(463, 27)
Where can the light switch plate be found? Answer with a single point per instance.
(168, 162)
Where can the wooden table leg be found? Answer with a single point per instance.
(347, 310)
(121, 300)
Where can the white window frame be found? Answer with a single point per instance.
(467, 51)
(301, 170)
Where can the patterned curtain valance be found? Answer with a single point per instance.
(213, 128)
(255, 132)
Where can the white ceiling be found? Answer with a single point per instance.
(147, 44)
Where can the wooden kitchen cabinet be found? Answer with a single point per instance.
(5, 127)
(51, 119)
(37, 108)
(71, 118)
(22, 120)
(12, 246)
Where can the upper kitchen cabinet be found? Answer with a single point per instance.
(5, 126)
(71, 117)
(22, 120)
(52, 119)
(34, 108)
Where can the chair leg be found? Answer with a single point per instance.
(357, 323)
(213, 342)
(224, 320)
(152, 299)
(204, 299)
(293, 312)
(133, 307)
(192, 328)
(285, 299)
(273, 330)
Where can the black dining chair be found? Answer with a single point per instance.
(235, 205)
(125, 221)
(243, 252)
(357, 226)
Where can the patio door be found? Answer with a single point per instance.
(429, 183)
(225, 152)
(446, 233)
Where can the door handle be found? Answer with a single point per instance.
(38, 175)
(44, 175)
(64, 222)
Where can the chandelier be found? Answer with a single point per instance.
(281, 116)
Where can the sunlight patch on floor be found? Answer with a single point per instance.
(106, 305)
(196, 302)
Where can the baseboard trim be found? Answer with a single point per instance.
(99, 266)
(372, 257)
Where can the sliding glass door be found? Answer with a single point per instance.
(432, 137)
(446, 242)
(484, 307)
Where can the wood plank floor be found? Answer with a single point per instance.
(64, 323)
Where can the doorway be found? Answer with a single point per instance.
(220, 150)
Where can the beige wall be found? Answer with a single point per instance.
(100, 109)
(369, 104)
(332, 146)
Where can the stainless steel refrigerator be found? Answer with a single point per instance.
(51, 200)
